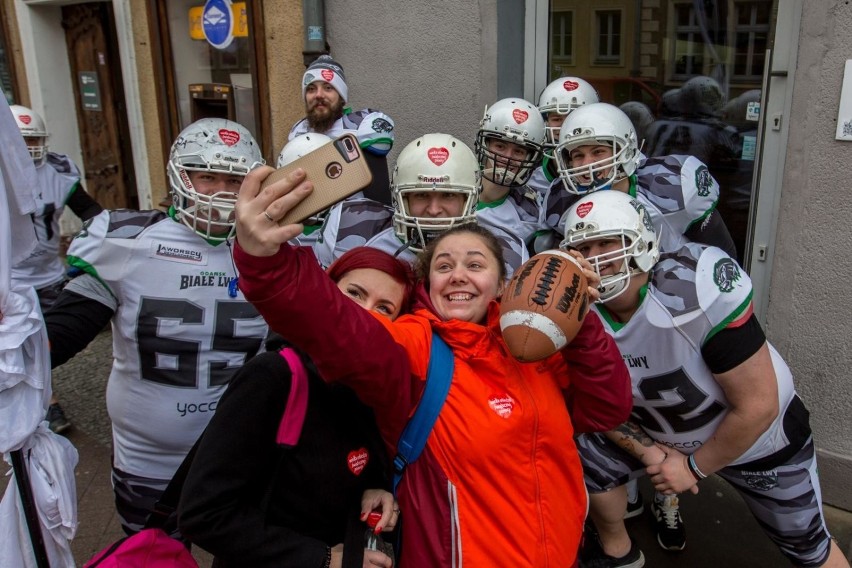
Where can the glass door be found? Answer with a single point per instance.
(687, 72)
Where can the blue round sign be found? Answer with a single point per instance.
(217, 22)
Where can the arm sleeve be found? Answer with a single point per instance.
(712, 231)
(82, 204)
(599, 396)
(72, 323)
(222, 502)
(733, 345)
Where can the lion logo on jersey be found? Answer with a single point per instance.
(703, 181)
(381, 125)
(646, 218)
(762, 480)
(725, 274)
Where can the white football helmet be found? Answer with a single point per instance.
(613, 215)
(562, 96)
(300, 146)
(31, 125)
(433, 163)
(515, 121)
(598, 124)
(212, 145)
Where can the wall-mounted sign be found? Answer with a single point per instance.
(90, 92)
(217, 23)
(240, 21)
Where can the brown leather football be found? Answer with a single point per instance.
(544, 305)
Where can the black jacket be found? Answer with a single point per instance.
(252, 503)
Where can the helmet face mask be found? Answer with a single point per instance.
(217, 146)
(509, 125)
(433, 163)
(597, 124)
(613, 216)
(32, 128)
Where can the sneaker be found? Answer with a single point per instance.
(634, 508)
(671, 534)
(56, 419)
(595, 557)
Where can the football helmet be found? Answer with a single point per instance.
(210, 145)
(300, 146)
(562, 96)
(433, 163)
(702, 96)
(613, 215)
(31, 125)
(598, 124)
(515, 121)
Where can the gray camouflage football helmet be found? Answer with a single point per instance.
(213, 145)
(613, 215)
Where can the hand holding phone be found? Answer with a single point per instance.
(337, 170)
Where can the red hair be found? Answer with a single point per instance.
(368, 257)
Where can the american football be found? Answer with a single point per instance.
(544, 305)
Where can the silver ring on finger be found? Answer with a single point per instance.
(268, 216)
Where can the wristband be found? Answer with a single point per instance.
(693, 469)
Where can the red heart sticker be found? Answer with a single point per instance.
(570, 85)
(520, 116)
(25, 118)
(229, 137)
(357, 460)
(327, 74)
(438, 155)
(502, 404)
(584, 208)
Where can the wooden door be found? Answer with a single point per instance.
(101, 112)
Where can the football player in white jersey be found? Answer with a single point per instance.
(598, 149)
(436, 184)
(558, 99)
(509, 148)
(180, 324)
(58, 187)
(344, 226)
(327, 111)
(710, 394)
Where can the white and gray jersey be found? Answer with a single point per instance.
(514, 220)
(677, 191)
(694, 293)
(181, 328)
(349, 224)
(58, 178)
(374, 129)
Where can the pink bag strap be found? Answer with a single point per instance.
(290, 427)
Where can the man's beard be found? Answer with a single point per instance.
(321, 119)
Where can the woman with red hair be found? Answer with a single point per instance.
(251, 502)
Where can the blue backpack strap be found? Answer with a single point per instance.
(438, 378)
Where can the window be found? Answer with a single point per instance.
(562, 37)
(688, 45)
(751, 38)
(608, 36)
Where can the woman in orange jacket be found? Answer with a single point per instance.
(499, 482)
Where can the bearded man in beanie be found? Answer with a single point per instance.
(326, 96)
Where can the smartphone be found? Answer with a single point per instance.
(337, 170)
